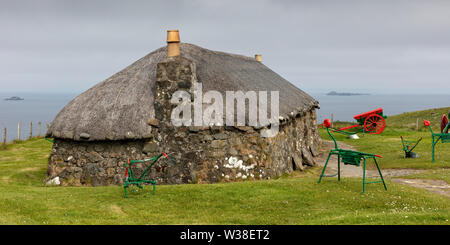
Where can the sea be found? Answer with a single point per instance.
(39, 107)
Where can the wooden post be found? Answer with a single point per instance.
(332, 119)
(18, 131)
(4, 138)
(39, 129)
(417, 124)
(31, 130)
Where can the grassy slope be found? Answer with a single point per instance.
(287, 200)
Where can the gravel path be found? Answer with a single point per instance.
(436, 186)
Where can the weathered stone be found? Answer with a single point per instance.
(220, 136)
(235, 141)
(217, 154)
(81, 148)
(218, 143)
(111, 163)
(153, 122)
(130, 135)
(215, 129)
(85, 136)
(68, 135)
(60, 163)
(233, 151)
(77, 176)
(92, 169)
(118, 179)
(245, 128)
(94, 156)
(193, 129)
(150, 147)
(101, 172)
(99, 148)
(298, 161)
(314, 150)
(110, 171)
(54, 181)
(307, 157)
(96, 181)
(208, 137)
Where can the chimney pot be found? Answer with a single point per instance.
(258, 57)
(173, 43)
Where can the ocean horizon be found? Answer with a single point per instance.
(43, 107)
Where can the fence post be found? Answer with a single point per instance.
(4, 138)
(18, 131)
(39, 129)
(332, 119)
(31, 130)
(417, 124)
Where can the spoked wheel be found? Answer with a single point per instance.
(374, 124)
(444, 122)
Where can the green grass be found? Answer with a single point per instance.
(295, 199)
(388, 144)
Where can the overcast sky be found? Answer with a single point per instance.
(360, 46)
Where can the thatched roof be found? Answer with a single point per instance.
(119, 107)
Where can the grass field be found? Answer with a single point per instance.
(388, 144)
(294, 199)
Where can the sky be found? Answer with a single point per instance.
(349, 46)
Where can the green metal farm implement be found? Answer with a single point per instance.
(371, 122)
(444, 136)
(408, 146)
(350, 157)
(138, 181)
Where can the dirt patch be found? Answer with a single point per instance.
(6, 179)
(436, 186)
(389, 173)
(29, 169)
(117, 210)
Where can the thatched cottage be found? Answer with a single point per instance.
(128, 116)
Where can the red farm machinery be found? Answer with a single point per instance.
(371, 122)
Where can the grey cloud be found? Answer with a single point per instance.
(318, 45)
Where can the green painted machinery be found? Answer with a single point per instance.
(408, 146)
(444, 136)
(350, 157)
(138, 181)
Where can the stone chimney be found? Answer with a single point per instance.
(173, 74)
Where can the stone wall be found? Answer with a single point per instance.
(196, 154)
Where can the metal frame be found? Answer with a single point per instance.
(372, 122)
(407, 144)
(352, 158)
(443, 137)
(130, 179)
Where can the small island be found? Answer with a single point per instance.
(334, 93)
(14, 98)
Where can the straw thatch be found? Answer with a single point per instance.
(119, 107)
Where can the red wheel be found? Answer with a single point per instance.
(374, 124)
(444, 122)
